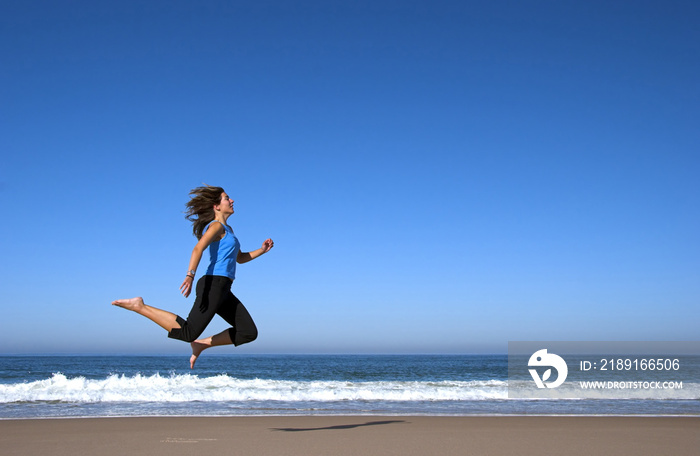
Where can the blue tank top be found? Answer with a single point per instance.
(223, 254)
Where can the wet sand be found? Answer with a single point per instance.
(353, 435)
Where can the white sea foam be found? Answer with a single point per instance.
(186, 388)
(223, 388)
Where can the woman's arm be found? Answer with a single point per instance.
(244, 257)
(214, 232)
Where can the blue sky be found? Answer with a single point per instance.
(438, 177)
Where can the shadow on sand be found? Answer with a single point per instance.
(340, 426)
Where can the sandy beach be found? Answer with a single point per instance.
(353, 435)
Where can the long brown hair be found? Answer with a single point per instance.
(200, 207)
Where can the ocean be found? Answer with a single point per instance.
(234, 385)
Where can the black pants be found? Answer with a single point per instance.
(214, 297)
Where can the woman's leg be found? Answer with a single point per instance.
(163, 318)
(199, 345)
(212, 292)
(242, 331)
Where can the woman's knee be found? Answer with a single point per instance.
(186, 332)
(243, 337)
(185, 336)
(252, 334)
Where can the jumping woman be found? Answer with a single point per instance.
(208, 210)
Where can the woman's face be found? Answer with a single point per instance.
(226, 204)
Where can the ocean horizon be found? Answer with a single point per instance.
(42, 386)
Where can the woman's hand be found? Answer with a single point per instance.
(244, 257)
(267, 245)
(186, 286)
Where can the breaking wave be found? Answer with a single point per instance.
(221, 388)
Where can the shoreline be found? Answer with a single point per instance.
(352, 435)
(353, 415)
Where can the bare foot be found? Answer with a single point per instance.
(198, 346)
(134, 304)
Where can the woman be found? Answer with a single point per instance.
(208, 210)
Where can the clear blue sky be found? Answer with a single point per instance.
(438, 176)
